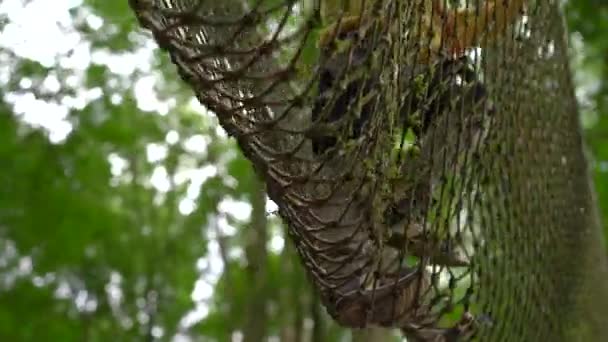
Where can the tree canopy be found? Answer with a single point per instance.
(127, 212)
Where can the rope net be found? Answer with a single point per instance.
(425, 155)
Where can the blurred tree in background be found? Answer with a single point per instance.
(588, 24)
(126, 212)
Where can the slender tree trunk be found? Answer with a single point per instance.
(373, 335)
(257, 257)
(318, 329)
(290, 296)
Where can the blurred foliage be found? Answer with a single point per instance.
(136, 224)
(588, 24)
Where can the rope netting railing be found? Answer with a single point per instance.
(425, 154)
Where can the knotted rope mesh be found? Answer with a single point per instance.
(425, 155)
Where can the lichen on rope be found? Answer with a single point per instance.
(392, 135)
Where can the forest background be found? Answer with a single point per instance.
(127, 213)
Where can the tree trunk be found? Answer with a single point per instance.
(373, 335)
(257, 256)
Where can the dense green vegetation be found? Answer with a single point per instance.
(125, 212)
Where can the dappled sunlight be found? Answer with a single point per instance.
(28, 33)
(48, 102)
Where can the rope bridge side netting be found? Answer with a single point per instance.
(425, 154)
